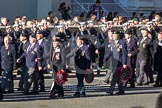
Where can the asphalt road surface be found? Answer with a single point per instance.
(96, 97)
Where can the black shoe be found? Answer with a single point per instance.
(139, 84)
(25, 93)
(77, 94)
(60, 96)
(1, 96)
(147, 83)
(34, 92)
(157, 85)
(41, 90)
(20, 89)
(52, 96)
(98, 72)
(107, 81)
(83, 94)
(9, 91)
(120, 93)
(109, 93)
(151, 81)
(131, 86)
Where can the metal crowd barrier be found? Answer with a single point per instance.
(73, 28)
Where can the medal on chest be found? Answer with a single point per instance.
(83, 53)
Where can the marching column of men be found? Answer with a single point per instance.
(36, 55)
(33, 52)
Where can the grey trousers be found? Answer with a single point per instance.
(22, 78)
(32, 77)
(142, 68)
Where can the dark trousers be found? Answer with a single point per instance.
(93, 54)
(150, 75)
(57, 89)
(80, 85)
(41, 79)
(1, 93)
(159, 79)
(7, 81)
(67, 51)
(22, 78)
(101, 56)
(116, 79)
(132, 66)
(80, 78)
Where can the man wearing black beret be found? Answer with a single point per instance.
(82, 61)
(118, 52)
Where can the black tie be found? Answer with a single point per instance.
(160, 41)
(20, 47)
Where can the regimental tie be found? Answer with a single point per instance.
(142, 41)
(30, 46)
(53, 55)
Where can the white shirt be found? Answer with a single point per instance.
(128, 40)
(40, 41)
(80, 46)
(24, 41)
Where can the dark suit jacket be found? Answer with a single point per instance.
(8, 58)
(54, 62)
(47, 34)
(144, 53)
(119, 53)
(31, 55)
(132, 49)
(45, 51)
(57, 52)
(101, 40)
(62, 37)
(157, 56)
(22, 48)
(82, 57)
